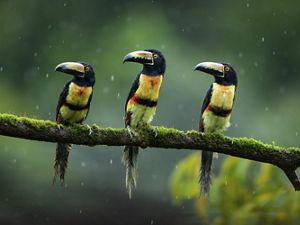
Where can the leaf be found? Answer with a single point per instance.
(184, 179)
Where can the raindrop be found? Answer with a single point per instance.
(82, 164)
(37, 107)
(266, 109)
(14, 160)
(112, 77)
(296, 133)
(1, 69)
(47, 75)
(82, 184)
(49, 27)
(282, 90)
(240, 55)
(255, 64)
(262, 39)
(226, 183)
(285, 32)
(65, 4)
(80, 211)
(105, 90)
(35, 54)
(273, 142)
(118, 95)
(152, 222)
(111, 161)
(180, 106)
(274, 53)
(248, 5)
(163, 46)
(137, 45)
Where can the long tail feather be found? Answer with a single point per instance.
(205, 172)
(130, 161)
(61, 161)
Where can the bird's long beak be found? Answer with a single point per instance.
(73, 68)
(216, 69)
(143, 57)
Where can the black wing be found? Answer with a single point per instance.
(88, 105)
(206, 102)
(62, 99)
(134, 87)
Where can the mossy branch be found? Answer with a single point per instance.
(288, 159)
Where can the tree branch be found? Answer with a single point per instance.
(288, 159)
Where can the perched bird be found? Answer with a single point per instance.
(73, 107)
(141, 103)
(216, 111)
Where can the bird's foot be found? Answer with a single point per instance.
(90, 128)
(131, 132)
(60, 126)
(154, 130)
(150, 128)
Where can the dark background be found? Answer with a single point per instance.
(260, 39)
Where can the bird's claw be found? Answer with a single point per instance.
(60, 126)
(90, 129)
(130, 132)
(154, 130)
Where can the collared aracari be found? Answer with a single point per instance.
(216, 111)
(73, 107)
(141, 103)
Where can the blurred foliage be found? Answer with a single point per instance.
(244, 192)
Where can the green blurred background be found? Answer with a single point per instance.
(259, 38)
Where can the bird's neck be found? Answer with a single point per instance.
(153, 70)
(84, 81)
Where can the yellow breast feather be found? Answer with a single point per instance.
(149, 87)
(78, 95)
(222, 96)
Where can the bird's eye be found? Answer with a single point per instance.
(226, 68)
(155, 56)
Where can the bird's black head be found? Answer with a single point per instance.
(152, 59)
(83, 72)
(224, 73)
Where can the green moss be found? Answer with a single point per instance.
(15, 120)
(255, 144)
(95, 126)
(193, 133)
(147, 132)
(114, 131)
(167, 133)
